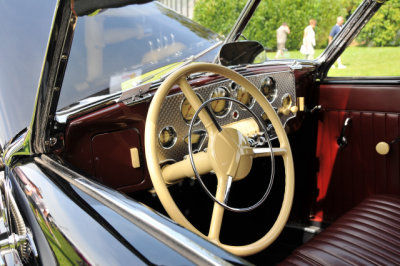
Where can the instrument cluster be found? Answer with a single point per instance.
(177, 113)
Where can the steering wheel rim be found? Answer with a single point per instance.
(156, 173)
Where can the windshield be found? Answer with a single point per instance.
(117, 45)
(22, 50)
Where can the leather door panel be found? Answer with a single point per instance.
(348, 175)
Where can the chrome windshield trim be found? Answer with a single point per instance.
(242, 20)
(84, 105)
(121, 205)
(17, 147)
(53, 66)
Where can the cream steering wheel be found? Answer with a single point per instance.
(228, 155)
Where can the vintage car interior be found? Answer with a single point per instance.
(257, 156)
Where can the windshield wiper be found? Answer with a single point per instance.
(186, 61)
(192, 58)
(141, 88)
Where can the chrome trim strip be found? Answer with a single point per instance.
(176, 241)
(242, 21)
(84, 105)
(361, 80)
(53, 67)
(16, 148)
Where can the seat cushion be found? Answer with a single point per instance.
(369, 234)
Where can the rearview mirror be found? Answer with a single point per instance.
(242, 52)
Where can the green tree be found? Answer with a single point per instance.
(383, 28)
(220, 15)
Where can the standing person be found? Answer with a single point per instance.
(309, 40)
(334, 31)
(281, 37)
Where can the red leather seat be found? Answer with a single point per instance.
(369, 234)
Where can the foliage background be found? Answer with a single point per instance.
(220, 15)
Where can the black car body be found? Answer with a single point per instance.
(76, 189)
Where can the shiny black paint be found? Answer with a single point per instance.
(45, 253)
(86, 231)
(75, 236)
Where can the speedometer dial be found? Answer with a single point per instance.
(187, 111)
(220, 107)
(167, 137)
(243, 96)
(268, 88)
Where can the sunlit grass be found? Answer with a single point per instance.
(361, 61)
(63, 250)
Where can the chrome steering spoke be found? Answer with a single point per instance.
(262, 152)
(266, 152)
(228, 189)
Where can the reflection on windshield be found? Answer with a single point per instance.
(120, 44)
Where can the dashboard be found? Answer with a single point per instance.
(99, 139)
(176, 113)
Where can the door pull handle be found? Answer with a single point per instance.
(342, 140)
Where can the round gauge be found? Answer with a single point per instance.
(243, 96)
(187, 111)
(268, 88)
(286, 101)
(220, 107)
(167, 137)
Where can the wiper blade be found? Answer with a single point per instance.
(192, 58)
(173, 67)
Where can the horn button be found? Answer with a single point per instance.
(230, 153)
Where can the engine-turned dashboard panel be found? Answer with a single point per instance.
(176, 112)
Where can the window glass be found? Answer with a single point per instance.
(24, 34)
(282, 27)
(376, 50)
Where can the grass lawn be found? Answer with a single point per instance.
(62, 248)
(362, 61)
